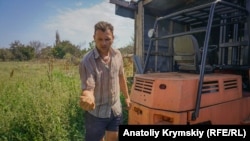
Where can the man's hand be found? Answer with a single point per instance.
(128, 103)
(87, 100)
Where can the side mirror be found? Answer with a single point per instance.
(151, 33)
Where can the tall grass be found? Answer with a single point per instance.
(36, 107)
(39, 103)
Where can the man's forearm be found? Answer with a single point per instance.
(123, 86)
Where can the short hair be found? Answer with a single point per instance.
(103, 26)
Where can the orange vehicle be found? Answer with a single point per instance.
(192, 61)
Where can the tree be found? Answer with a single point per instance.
(91, 45)
(28, 52)
(85, 50)
(64, 47)
(5, 54)
(46, 52)
(129, 49)
(16, 51)
(21, 52)
(37, 45)
(57, 38)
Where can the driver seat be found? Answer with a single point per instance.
(187, 55)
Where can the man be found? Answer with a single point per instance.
(102, 79)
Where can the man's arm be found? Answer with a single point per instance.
(124, 88)
(87, 100)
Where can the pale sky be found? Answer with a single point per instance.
(38, 20)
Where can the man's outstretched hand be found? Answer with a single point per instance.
(87, 100)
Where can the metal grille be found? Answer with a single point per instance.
(210, 87)
(143, 85)
(230, 84)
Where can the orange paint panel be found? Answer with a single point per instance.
(181, 90)
(139, 114)
(166, 98)
(233, 112)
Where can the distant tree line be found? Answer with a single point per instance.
(37, 50)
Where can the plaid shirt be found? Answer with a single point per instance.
(104, 80)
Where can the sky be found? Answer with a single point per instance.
(39, 20)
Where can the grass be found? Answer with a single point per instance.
(40, 103)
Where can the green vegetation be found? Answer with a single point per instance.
(38, 50)
(39, 101)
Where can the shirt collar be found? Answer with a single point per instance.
(97, 55)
